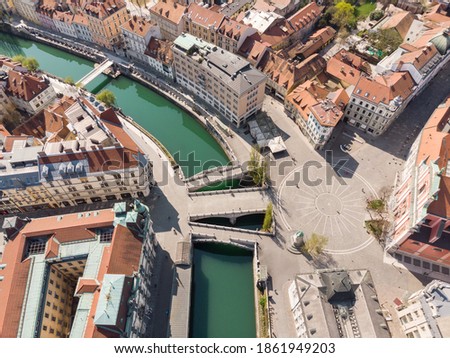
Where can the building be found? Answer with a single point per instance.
(80, 23)
(168, 15)
(280, 7)
(225, 81)
(400, 22)
(254, 50)
(27, 9)
(346, 68)
(85, 157)
(203, 23)
(29, 92)
(283, 75)
(64, 24)
(316, 42)
(232, 34)
(336, 304)
(426, 313)
(376, 103)
(137, 33)
(6, 106)
(78, 275)
(423, 58)
(105, 19)
(160, 57)
(421, 229)
(316, 111)
(45, 11)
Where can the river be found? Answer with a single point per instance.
(186, 139)
(223, 294)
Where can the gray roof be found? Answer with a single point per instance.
(340, 303)
(442, 42)
(230, 69)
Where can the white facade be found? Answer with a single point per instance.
(27, 9)
(136, 44)
(37, 103)
(426, 314)
(165, 69)
(82, 32)
(65, 26)
(317, 133)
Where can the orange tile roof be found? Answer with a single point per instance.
(4, 131)
(418, 58)
(160, 50)
(232, 29)
(99, 159)
(435, 145)
(8, 142)
(401, 22)
(25, 86)
(104, 9)
(203, 16)
(52, 249)
(121, 257)
(432, 135)
(287, 74)
(305, 96)
(278, 33)
(80, 19)
(314, 43)
(343, 71)
(138, 26)
(327, 113)
(383, 89)
(86, 285)
(305, 16)
(170, 10)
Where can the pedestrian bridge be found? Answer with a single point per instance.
(95, 72)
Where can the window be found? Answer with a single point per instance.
(44, 328)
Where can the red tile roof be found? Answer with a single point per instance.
(99, 159)
(170, 10)
(138, 26)
(25, 86)
(418, 58)
(160, 50)
(204, 17)
(86, 285)
(401, 22)
(383, 89)
(305, 16)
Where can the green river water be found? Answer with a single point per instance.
(179, 132)
(223, 297)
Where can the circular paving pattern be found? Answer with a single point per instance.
(331, 205)
(328, 204)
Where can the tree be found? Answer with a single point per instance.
(267, 224)
(386, 40)
(19, 58)
(31, 64)
(69, 80)
(315, 245)
(107, 97)
(257, 167)
(376, 15)
(344, 15)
